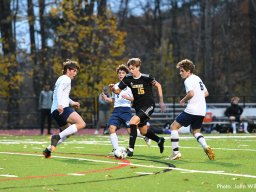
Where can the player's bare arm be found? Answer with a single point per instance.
(160, 94)
(106, 98)
(128, 97)
(189, 95)
(206, 94)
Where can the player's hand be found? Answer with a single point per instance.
(162, 107)
(111, 86)
(76, 105)
(182, 102)
(104, 96)
(125, 97)
(60, 109)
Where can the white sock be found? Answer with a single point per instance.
(139, 134)
(234, 127)
(200, 138)
(245, 127)
(59, 142)
(114, 140)
(175, 141)
(69, 131)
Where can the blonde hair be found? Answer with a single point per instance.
(134, 62)
(234, 99)
(187, 65)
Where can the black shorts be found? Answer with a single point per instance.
(61, 119)
(144, 114)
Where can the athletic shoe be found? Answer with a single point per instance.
(209, 152)
(47, 153)
(175, 156)
(96, 132)
(161, 144)
(148, 141)
(54, 141)
(129, 152)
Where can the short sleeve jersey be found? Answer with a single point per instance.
(141, 89)
(119, 100)
(197, 104)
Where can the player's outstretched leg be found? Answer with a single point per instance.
(160, 140)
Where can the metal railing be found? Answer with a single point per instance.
(23, 113)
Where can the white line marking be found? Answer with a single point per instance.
(8, 176)
(144, 173)
(75, 174)
(140, 165)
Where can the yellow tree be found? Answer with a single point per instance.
(93, 40)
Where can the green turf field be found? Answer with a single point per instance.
(83, 163)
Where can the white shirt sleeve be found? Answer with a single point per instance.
(188, 85)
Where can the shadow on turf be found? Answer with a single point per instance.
(101, 180)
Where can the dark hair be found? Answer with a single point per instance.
(69, 64)
(122, 67)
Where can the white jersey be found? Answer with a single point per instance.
(61, 92)
(119, 100)
(197, 104)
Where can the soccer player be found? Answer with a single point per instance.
(194, 112)
(143, 103)
(122, 113)
(66, 117)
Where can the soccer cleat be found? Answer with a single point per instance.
(129, 152)
(175, 156)
(161, 144)
(148, 141)
(209, 152)
(112, 152)
(54, 141)
(47, 153)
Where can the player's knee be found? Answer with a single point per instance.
(81, 125)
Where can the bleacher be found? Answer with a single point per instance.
(159, 119)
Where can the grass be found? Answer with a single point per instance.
(83, 163)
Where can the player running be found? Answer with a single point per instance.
(122, 113)
(194, 112)
(66, 117)
(144, 104)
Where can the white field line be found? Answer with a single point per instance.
(107, 143)
(141, 165)
(8, 175)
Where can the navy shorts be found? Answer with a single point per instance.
(120, 116)
(185, 119)
(144, 114)
(62, 119)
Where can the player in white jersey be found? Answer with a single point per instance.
(122, 113)
(194, 112)
(66, 117)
